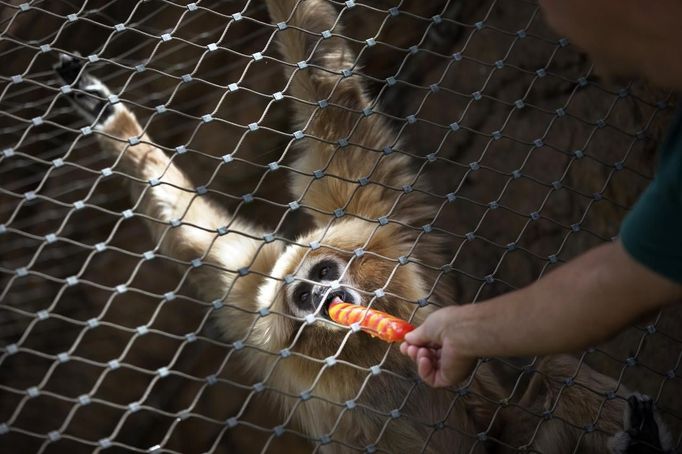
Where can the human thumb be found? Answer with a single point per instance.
(430, 333)
(421, 335)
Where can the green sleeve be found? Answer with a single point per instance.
(652, 231)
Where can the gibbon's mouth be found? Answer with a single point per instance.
(340, 294)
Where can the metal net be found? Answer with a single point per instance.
(532, 157)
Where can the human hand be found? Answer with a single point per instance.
(433, 347)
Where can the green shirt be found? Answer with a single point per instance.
(652, 231)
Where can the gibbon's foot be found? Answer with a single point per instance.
(644, 431)
(89, 96)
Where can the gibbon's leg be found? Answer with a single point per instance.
(324, 77)
(645, 432)
(183, 223)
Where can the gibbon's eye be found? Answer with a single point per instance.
(323, 272)
(303, 296)
(326, 270)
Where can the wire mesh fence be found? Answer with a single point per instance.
(520, 156)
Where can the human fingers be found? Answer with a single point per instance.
(430, 332)
(409, 350)
(424, 334)
(453, 367)
(412, 351)
(426, 370)
(419, 336)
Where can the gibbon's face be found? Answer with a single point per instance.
(308, 280)
(317, 282)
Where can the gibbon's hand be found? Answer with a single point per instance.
(644, 430)
(433, 348)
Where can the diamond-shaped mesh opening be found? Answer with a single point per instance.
(520, 156)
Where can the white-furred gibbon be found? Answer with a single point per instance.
(355, 392)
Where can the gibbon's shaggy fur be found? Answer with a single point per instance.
(274, 294)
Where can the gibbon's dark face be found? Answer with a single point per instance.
(306, 281)
(318, 281)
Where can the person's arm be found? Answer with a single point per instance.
(582, 303)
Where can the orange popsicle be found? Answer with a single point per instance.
(375, 323)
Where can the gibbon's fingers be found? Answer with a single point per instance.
(645, 432)
(68, 68)
(89, 96)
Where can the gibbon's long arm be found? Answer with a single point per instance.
(164, 194)
(333, 100)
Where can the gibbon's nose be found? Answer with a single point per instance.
(319, 292)
(322, 295)
(318, 297)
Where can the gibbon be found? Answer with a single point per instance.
(347, 391)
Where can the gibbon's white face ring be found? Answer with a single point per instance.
(319, 282)
(274, 294)
(328, 292)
